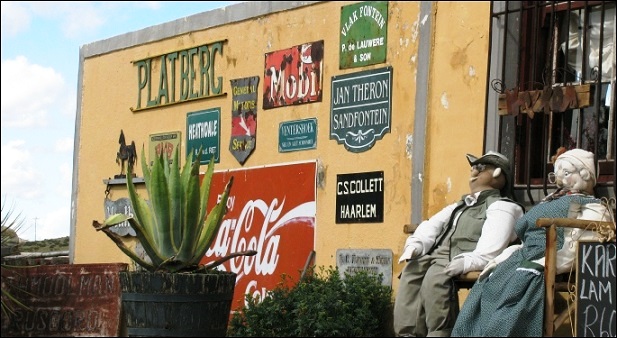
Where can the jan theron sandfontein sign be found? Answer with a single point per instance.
(376, 261)
(63, 300)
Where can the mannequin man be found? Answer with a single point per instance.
(462, 237)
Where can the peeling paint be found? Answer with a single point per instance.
(444, 100)
(413, 59)
(403, 42)
(449, 185)
(472, 71)
(409, 146)
(321, 174)
(420, 177)
(415, 30)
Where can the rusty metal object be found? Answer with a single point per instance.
(63, 300)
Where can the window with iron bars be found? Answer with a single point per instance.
(552, 78)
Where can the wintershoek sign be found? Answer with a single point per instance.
(359, 197)
(361, 108)
(298, 135)
(596, 313)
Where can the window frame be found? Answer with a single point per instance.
(512, 43)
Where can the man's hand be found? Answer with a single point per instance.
(488, 269)
(412, 250)
(455, 267)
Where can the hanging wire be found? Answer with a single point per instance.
(108, 189)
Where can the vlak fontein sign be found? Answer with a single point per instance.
(361, 108)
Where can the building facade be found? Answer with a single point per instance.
(340, 121)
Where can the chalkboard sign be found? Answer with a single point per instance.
(595, 311)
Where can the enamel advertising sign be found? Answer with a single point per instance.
(298, 135)
(164, 143)
(272, 210)
(364, 34)
(243, 117)
(293, 75)
(203, 132)
(359, 197)
(361, 109)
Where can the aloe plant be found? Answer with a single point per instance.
(173, 226)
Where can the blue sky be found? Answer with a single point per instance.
(40, 60)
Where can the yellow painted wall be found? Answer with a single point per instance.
(455, 117)
(457, 97)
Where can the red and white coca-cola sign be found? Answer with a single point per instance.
(272, 210)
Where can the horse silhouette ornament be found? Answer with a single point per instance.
(126, 155)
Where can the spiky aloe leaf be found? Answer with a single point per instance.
(177, 201)
(161, 207)
(205, 189)
(192, 223)
(173, 226)
(144, 222)
(212, 225)
(120, 243)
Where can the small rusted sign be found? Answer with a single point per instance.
(63, 300)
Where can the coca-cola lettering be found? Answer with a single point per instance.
(265, 261)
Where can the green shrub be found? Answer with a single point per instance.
(322, 304)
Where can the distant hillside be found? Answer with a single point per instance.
(47, 245)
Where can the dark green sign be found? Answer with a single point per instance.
(203, 130)
(361, 108)
(298, 135)
(364, 34)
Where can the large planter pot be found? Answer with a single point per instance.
(176, 304)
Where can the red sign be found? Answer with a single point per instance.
(243, 117)
(64, 300)
(271, 210)
(294, 75)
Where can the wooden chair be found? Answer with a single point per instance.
(560, 283)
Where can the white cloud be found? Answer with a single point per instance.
(64, 145)
(28, 91)
(53, 224)
(64, 181)
(79, 17)
(19, 176)
(148, 4)
(15, 18)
